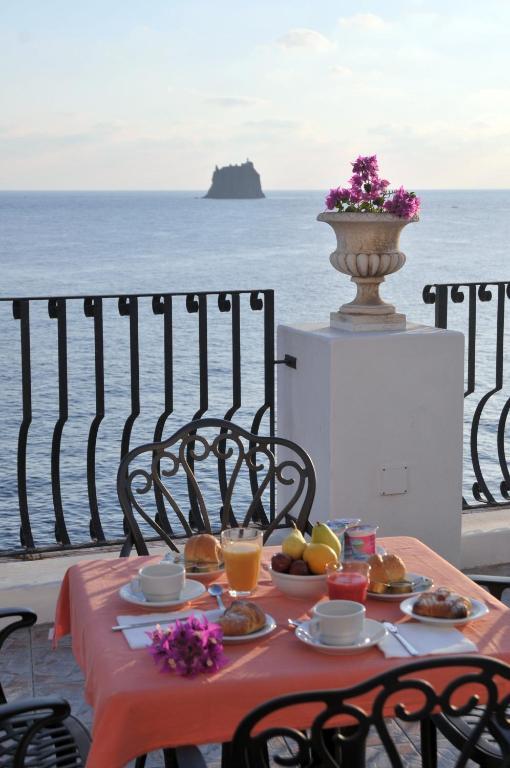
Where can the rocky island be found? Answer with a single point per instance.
(240, 182)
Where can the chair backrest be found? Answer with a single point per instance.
(148, 477)
(411, 693)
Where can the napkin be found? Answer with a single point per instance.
(137, 636)
(427, 639)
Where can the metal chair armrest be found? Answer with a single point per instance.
(27, 619)
(495, 584)
(58, 706)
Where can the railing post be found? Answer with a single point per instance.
(21, 312)
(57, 310)
(93, 307)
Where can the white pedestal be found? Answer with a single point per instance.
(381, 415)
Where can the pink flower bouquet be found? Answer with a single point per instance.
(368, 193)
(188, 647)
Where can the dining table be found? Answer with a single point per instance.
(138, 709)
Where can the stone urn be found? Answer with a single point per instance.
(367, 250)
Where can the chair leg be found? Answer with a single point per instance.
(428, 735)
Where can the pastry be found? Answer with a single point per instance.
(443, 604)
(242, 618)
(202, 550)
(385, 569)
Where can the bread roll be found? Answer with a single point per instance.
(242, 618)
(386, 568)
(443, 604)
(202, 549)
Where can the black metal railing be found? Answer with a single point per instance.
(482, 317)
(178, 360)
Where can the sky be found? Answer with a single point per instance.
(152, 94)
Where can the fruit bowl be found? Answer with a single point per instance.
(303, 587)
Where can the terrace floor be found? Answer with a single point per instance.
(29, 667)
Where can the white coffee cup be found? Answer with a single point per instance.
(162, 581)
(337, 622)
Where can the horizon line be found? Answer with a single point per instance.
(268, 189)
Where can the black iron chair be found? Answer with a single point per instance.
(323, 747)
(230, 448)
(38, 732)
(457, 729)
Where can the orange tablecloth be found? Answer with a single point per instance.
(138, 709)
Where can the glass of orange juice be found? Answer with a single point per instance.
(242, 550)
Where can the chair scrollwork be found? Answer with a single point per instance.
(266, 462)
(330, 728)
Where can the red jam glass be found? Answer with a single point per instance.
(348, 581)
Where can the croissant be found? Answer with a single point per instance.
(443, 604)
(242, 618)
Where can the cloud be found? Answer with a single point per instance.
(340, 71)
(269, 130)
(308, 39)
(363, 21)
(230, 102)
(20, 140)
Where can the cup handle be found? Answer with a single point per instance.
(136, 586)
(314, 629)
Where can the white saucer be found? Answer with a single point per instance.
(423, 585)
(373, 634)
(192, 590)
(479, 610)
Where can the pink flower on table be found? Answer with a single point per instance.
(188, 647)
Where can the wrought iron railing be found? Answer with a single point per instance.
(482, 318)
(196, 363)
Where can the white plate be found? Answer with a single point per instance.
(424, 585)
(269, 627)
(479, 610)
(373, 634)
(192, 590)
(205, 576)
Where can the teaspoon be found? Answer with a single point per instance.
(216, 590)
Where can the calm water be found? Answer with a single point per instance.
(79, 243)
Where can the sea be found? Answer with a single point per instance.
(80, 243)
